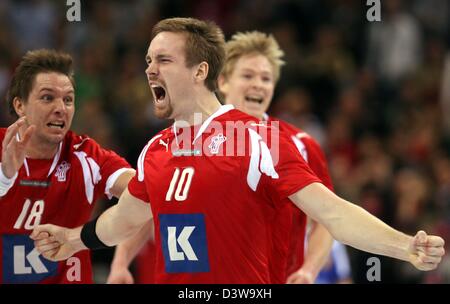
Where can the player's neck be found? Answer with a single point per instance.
(200, 110)
(40, 150)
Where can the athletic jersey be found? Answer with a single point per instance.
(289, 226)
(59, 191)
(211, 209)
(145, 264)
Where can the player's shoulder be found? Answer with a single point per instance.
(76, 142)
(245, 127)
(152, 144)
(161, 135)
(235, 115)
(286, 126)
(291, 130)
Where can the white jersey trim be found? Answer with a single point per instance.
(222, 110)
(140, 164)
(52, 167)
(55, 160)
(253, 175)
(91, 174)
(301, 147)
(112, 180)
(260, 161)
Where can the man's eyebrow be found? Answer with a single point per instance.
(253, 70)
(71, 91)
(46, 89)
(159, 56)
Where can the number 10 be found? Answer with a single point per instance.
(182, 188)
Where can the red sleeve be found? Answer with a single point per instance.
(108, 161)
(137, 186)
(317, 161)
(137, 189)
(110, 169)
(2, 137)
(293, 172)
(280, 172)
(112, 162)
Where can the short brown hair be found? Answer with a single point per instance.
(33, 63)
(205, 42)
(254, 42)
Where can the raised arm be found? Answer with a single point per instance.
(352, 225)
(113, 226)
(13, 153)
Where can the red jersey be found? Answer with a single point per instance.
(212, 207)
(289, 226)
(60, 191)
(145, 264)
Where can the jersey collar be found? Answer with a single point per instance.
(52, 167)
(222, 110)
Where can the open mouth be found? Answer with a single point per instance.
(56, 125)
(255, 99)
(159, 93)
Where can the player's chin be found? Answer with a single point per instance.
(163, 112)
(255, 109)
(56, 138)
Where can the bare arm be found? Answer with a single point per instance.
(317, 253)
(126, 252)
(319, 248)
(114, 225)
(123, 219)
(352, 225)
(121, 182)
(320, 240)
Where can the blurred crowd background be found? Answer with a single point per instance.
(376, 95)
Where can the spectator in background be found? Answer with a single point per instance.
(395, 44)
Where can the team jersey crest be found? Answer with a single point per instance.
(61, 171)
(216, 141)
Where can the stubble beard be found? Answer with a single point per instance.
(164, 113)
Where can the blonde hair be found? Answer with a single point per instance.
(254, 42)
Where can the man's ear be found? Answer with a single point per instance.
(223, 84)
(19, 106)
(202, 71)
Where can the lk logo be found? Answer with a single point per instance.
(184, 242)
(22, 263)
